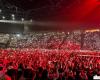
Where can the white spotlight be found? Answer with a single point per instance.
(3, 17)
(22, 19)
(13, 15)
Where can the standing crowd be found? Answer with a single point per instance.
(28, 64)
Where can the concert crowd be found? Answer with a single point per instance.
(29, 64)
(54, 40)
(50, 56)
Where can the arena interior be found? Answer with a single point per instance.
(49, 39)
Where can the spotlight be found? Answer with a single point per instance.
(13, 15)
(22, 19)
(3, 17)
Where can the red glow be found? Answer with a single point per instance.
(85, 12)
(82, 11)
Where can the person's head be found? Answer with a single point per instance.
(1, 68)
(45, 73)
(20, 65)
(60, 70)
(40, 69)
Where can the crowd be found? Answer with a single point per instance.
(53, 40)
(44, 64)
(50, 56)
(92, 40)
(44, 40)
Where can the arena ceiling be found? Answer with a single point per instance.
(84, 13)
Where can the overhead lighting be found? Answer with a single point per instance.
(22, 19)
(13, 15)
(3, 17)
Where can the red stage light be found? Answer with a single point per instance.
(98, 0)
